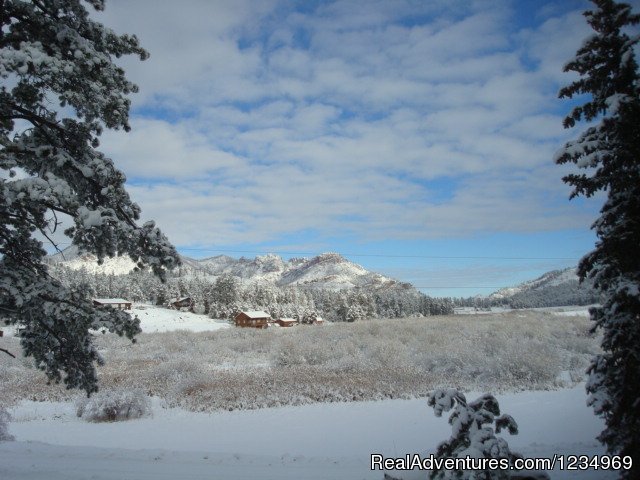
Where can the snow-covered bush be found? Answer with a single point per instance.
(288, 355)
(114, 406)
(5, 418)
(473, 434)
(292, 353)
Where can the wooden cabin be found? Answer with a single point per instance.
(117, 303)
(255, 319)
(183, 302)
(318, 321)
(286, 322)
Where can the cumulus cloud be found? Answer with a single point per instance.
(156, 149)
(402, 120)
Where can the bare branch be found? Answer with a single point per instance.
(7, 352)
(54, 244)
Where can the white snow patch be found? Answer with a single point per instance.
(572, 311)
(159, 319)
(256, 314)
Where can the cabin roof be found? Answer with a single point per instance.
(111, 300)
(181, 299)
(256, 314)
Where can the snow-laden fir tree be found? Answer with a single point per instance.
(473, 434)
(60, 89)
(608, 151)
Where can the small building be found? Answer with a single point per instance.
(182, 302)
(117, 303)
(255, 319)
(318, 321)
(286, 322)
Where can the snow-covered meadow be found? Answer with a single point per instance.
(207, 383)
(217, 367)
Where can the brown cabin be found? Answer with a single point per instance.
(318, 321)
(255, 319)
(117, 303)
(286, 322)
(183, 302)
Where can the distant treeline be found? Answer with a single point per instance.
(224, 296)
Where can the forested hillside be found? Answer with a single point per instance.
(553, 289)
(225, 295)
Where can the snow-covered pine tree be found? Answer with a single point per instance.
(60, 89)
(473, 434)
(609, 153)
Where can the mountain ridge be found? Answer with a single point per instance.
(550, 278)
(553, 288)
(332, 271)
(326, 271)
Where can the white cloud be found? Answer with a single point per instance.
(399, 120)
(157, 149)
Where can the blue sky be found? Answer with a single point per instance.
(414, 137)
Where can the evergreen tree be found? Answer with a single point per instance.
(60, 89)
(609, 153)
(473, 434)
(226, 290)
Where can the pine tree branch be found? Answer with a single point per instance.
(44, 9)
(34, 118)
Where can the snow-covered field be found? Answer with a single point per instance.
(321, 441)
(239, 368)
(569, 311)
(159, 319)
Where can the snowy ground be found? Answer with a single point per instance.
(322, 441)
(318, 441)
(159, 319)
(567, 311)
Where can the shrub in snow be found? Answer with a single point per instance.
(5, 418)
(289, 354)
(473, 435)
(114, 406)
